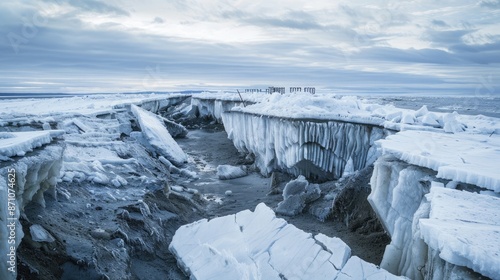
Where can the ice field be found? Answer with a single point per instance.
(435, 187)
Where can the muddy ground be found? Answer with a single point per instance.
(128, 236)
(209, 148)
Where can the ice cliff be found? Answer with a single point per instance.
(313, 148)
(35, 173)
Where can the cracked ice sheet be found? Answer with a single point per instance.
(461, 157)
(256, 245)
(356, 269)
(465, 228)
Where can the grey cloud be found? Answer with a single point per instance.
(446, 37)
(491, 4)
(158, 20)
(94, 6)
(291, 19)
(439, 23)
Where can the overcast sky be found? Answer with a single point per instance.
(418, 47)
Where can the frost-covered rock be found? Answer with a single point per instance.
(295, 187)
(158, 136)
(257, 245)
(464, 229)
(296, 194)
(39, 234)
(226, 172)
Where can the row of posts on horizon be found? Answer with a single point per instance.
(282, 90)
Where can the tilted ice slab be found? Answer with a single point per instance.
(19, 143)
(257, 245)
(461, 157)
(158, 136)
(303, 147)
(464, 228)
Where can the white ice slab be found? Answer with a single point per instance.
(157, 135)
(357, 269)
(19, 143)
(464, 228)
(461, 157)
(257, 245)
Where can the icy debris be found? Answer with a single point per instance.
(468, 158)
(296, 194)
(422, 111)
(226, 172)
(158, 136)
(257, 245)
(430, 119)
(39, 234)
(228, 193)
(295, 187)
(119, 181)
(464, 228)
(19, 143)
(174, 170)
(451, 124)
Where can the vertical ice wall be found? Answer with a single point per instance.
(397, 191)
(308, 147)
(34, 174)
